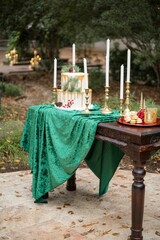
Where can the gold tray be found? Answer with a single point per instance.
(121, 120)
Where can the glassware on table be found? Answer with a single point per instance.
(150, 115)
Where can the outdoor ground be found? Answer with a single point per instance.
(37, 89)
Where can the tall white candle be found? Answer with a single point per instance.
(121, 81)
(85, 73)
(55, 73)
(107, 62)
(73, 54)
(128, 65)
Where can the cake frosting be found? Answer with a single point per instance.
(73, 89)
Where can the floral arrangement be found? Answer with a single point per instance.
(72, 82)
(70, 68)
(69, 104)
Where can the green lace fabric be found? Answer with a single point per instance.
(58, 140)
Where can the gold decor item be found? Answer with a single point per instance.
(106, 110)
(144, 103)
(54, 95)
(127, 97)
(141, 101)
(150, 115)
(86, 110)
(121, 107)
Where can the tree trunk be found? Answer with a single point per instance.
(156, 67)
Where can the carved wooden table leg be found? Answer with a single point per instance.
(138, 193)
(71, 183)
(45, 196)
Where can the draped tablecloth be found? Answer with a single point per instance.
(59, 140)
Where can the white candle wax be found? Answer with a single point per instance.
(55, 73)
(73, 54)
(107, 62)
(128, 65)
(121, 81)
(107, 72)
(85, 73)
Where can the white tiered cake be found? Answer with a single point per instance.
(73, 90)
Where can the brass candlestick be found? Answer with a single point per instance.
(127, 96)
(106, 110)
(121, 107)
(86, 110)
(141, 101)
(54, 95)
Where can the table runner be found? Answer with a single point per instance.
(59, 140)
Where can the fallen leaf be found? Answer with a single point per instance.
(89, 231)
(18, 195)
(17, 161)
(20, 175)
(80, 220)
(121, 176)
(66, 235)
(123, 186)
(70, 212)
(115, 234)
(66, 204)
(157, 233)
(73, 223)
(90, 224)
(124, 226)
(106, 232)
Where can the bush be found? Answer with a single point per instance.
(96, 80)
(11, 90)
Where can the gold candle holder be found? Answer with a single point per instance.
(86, 110)
(106, 110)
(141, 101)
(127, 96)
(121, 107)
(54, 95)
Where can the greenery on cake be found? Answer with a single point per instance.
(71, 85)
(70, 68)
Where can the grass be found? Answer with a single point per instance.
(12, 156)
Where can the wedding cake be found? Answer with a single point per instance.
(72, 91)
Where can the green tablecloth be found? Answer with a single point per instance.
(58, 140)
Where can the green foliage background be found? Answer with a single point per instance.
(53, 24)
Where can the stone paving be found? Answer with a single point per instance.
(78, 215)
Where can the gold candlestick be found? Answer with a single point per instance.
(106, 110)
(54, 95)
(86, 110)
(127, 96)
(141, 101)
(121, 107)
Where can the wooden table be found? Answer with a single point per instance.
(139, 143)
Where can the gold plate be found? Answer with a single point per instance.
(121, 120)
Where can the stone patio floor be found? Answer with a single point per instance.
(78, 215)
